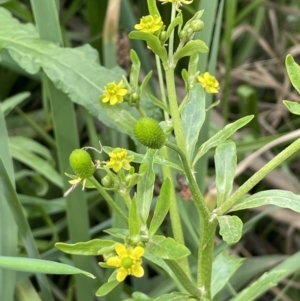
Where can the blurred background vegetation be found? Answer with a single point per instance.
(249, 41)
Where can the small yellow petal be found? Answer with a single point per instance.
(138, 271)
(75, 181)
(121, 274)
(138, 251)
(121, 250)
(114, 261)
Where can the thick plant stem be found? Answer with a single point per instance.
(258, 176)
(205, 256)
(170, 79)
(197, 195)
(184, 279)
(108, 199)
(207, 228)
(174, 213)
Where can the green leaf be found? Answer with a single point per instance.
(224, 266)
(280, 198)
(146, 185)
(167, 248)
(293, 70)
(10, 103)
(134, 219)
(221, 136)
(162, 207)
(266, 281)
(152, 41)
(190, 48)
(91, 247)
(40, 266)
(225, 162)
(106, 288)
(159, 103)
(292, 106)
(176, 21)
(116, 232)
(175, 296)
(152, 7)
(159, 262)
(135, 70)
(38, 164)
(84, 82)
(145, 82)
(138, 296)
(230, 228)
(192, 118)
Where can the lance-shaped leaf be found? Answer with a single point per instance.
(107, 287)
(167, 248)
(221, 136)
(134, 219)
(293, 70)
(40, 266)
(225, 162)
(280, 198)
(153, 43)
(224, 266)
(292, 106)
(261, 285)
(162, 207)
(74, 71)
(230, 228)
(90, 247)
(192, 118)
(146, 185)
(175, 296)
(190, 48)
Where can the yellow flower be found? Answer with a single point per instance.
(114, 93)
(178, 2)
(209, 82)
(149, 24)
(128, 261)
(119, 159)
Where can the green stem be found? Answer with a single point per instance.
(184, 280)
(161, 85)
(207, 227)
(258, 176)
(174, 212)
(170, 79)
(108, 199)
(205, 256)
(197, 195)
(141, 111)
(171, 39)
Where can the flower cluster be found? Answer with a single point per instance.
(114, 93)
(119, 159)
(149, 24)
(128, 261)
(209, 82)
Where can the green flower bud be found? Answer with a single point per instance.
(197, 25)
(163, 36)
(148, 132)
(183, 34)
(189, 31)
(81, 163)
(107, 181)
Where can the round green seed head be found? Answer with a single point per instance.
(148, 132)
(81, 163)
